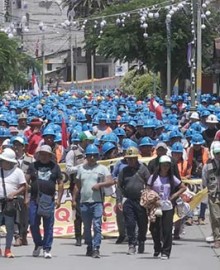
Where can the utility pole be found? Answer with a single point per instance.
(168, 28)
(76, 51)
(92, 70)
(71, 55)
(43, 60)
(193, 54)
(199, 50)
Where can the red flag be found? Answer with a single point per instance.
(64, 134)
(155, 107)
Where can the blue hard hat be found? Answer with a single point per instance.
(159, 124)
(111, 137)
(107, 147)
(174, 107)
(132, 123)
(124, 119)
(96, 142)
(92, 149)
(211, 108)
(140, 123)
(197, 139)
(149, 123)
(189, 133)
(196, 126)
(103, 117)
(81, 117)
(75, 137)
(146, 141)
(5, 132)
(177, 147)
(49, 131)
(164, 137)
(87, 126)
(4, 119)
(119, 131)
(58, 138)
(19, 138)
(205, 113)
(175, 134)
(126, 143)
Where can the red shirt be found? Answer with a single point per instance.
(33, 142)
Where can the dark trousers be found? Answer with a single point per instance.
(135, 214)
(161, 232)
(120, 222)
(203, 207)
(22, 218)
(78, 220)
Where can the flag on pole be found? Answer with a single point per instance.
(64, 134)
(156, 108)
(35, 85)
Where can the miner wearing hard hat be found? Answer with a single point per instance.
(131, 181)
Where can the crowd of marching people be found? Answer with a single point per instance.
(78, 128)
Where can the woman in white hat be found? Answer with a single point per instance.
(169, 188)
(12, 183)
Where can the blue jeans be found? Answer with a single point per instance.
(35, 222)
(92, 215)
(9, 225)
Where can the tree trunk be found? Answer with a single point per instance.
(163, 82)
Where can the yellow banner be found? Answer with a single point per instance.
(63, 216)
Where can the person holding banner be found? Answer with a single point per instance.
(211, 180)
(169, 187)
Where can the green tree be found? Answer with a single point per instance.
(140, 85)
(14, 65)
(127, 43)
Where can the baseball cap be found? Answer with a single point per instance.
(164, 159)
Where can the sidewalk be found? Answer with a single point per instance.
(191, 252)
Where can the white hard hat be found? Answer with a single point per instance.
(212, 119)
(194, 115)
(8, 155)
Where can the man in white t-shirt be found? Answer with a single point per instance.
(12, 183)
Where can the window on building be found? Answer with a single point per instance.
(49, 67)
(18, 3)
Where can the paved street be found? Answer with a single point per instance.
(192, 252)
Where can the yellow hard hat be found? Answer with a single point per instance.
(131, 152)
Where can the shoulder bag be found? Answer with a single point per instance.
(9, 205)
